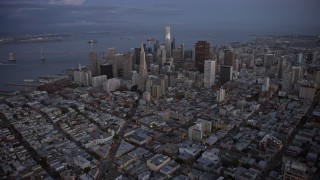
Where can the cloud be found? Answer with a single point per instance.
(67, 2)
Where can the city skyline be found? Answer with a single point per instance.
(247, 16)
(199, 101)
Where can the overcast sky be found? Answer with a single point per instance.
(251, 16)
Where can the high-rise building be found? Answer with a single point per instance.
(173, 44)
(149, 59)
(172, 79)
(287, 81)
(193, 75)
(266, 84)
(229, 58)
(156, 91)
(307, 91)
(226, 74)
(151, 80)
(293, 170)
(154, 69)
(111, 52)
(106, 69)
(309, 58)
(221, 93)
(136, 55)
(143, 72)
(82, 77)
(168, 41)
(209, 73)
(127, 65)
(135, 78)
(182, 51)
(268, 60)
(98, 81)
(202, 53)
(297, 73)
(299, 58)
(201, 128)
(237, 65)
(163, 56)
(93, 63)
(146, 97)
(177, 55)
(281, 67)
(164, 83)
(111, 85)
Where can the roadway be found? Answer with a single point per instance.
(106, 168)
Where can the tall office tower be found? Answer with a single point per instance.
(154, 69)
(221, 93)
(93, 64)
(309, 58)
(172, 79)
(173, 44)
(151, 80)
(168, 41)
(294, 170)
(202, 53)
(193, 75)
(307, 90)
(299, 58)
(98, 81)
(229, 58)
(266, 84)
(149, 59)
(182, 51)
(209, 73)
(287, 81)
(164, 83)
(156, 52)
(163, 56)
(281, 66)
(193, 54)
(297, 73)
(127, 66)
(156, 91)
(156, 46)
(111, 85)
(114, 66)
(226, 74)
(268, 60)
(176, 55)
(143, 73)
(118, 58)
(136, 55)
(106, 69)
(135, 78)
(237, 65)
(111, 52)
(82, 77)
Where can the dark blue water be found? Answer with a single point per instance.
(74, 49)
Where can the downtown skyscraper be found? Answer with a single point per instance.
(168, 41)
(143, 73)
(209, 73)
(202, 53)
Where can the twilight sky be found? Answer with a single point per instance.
(247, 16)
